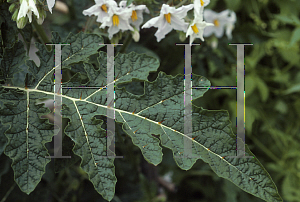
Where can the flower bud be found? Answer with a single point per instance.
(22, 22)
(120, 35)
(115, 39)
(42, 15)
(182, 36)
(214, 42)
(12, 7)
(135, 35)
(40, 20)
(15, 15)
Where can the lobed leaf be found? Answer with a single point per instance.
(159, 111)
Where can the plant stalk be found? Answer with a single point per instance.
(126, 43)
(41, 33)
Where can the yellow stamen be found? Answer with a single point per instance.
(202, 2)
(168, 17)
(104, 8)
(115, 20)
(216, 22)
(195, 29)
(134, 16)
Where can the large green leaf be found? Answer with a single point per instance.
(28, 133)
(159, 111)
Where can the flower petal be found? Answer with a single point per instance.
(94, 10)
(23, 9)
(162, 31)
(112, 30)
(178, 24)
(154, 22)
(50, 4)
(124, 25)
(33, 8)
(182, 11)
(209, 15)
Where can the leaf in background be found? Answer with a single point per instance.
(291, 19)
(4, 166)
(9, 30)
(290, 187)
(233, 4)
(293, 89)
(295, 36)
(262, 88)
(250, 85)
(250, 115)
(256, 55)
(26, 33)
(13, 58)
(129, 2)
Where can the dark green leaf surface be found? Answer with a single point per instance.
(26, 137)
(9, 30)
(159, 110)
(3, 139)
(13, 58)
(28, 133)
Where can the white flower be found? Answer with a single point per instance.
(196, 29)
(169, 18)
(230, 24)
(222, 20)
(137, 13)
(50, 4)
(118, 19)
(199, 6)
(26, 8)
(100, 9)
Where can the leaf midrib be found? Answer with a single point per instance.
(122, 111)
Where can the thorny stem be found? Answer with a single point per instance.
(266, 150)
(41, 33)
(181, 3)
(126, 43)
(7, 193)
(88, 24)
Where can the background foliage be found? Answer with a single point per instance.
(272, 108)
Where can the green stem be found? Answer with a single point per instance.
(126, 43)
(8, 192)
(89, 22)
(72, 11)
(266, 150)
(181, 3)
(26, 43)
(41, 33)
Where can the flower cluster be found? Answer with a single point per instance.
(169, 18)
(222, 20)
(118, 18)
(130, 17)
(22, 11)
(124, 17)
